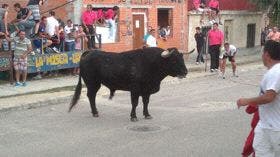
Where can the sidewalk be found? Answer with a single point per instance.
(51, 91)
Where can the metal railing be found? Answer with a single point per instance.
(10, 46)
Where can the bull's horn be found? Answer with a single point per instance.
(189, 52)
(166, 54)
(172, 50)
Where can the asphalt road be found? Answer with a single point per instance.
(192, 117)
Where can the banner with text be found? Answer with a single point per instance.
(49, 62)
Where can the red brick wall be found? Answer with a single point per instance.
(125, 42)
(180, 31)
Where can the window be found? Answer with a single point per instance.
(165, 22)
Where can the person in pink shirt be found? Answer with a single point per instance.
(89, 18)
(110, 18)
(214, 6)
(100, 17)
(200, 6)
(215, 38)
(274, 35)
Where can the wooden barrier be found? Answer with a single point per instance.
(53, 61)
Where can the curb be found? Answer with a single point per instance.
(48, 102)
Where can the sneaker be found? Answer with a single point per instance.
(33, 35)
(216, 70)
(197, 63)
(18, 84)
(24, 84)
(55, 50)
(211, 70)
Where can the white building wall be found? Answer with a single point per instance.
(240, 21)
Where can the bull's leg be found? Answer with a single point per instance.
(92, 90)
(134, 102)
(146, 99)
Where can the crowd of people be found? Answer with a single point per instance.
(219, 50)
(32, 33)
(263, 139)
(210, 9)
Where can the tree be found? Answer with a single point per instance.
(271, 8)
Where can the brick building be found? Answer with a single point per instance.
(134, 19)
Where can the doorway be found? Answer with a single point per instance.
(251, 32)
(138, 30)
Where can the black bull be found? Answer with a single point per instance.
(138, 71)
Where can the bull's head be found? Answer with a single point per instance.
(175, 63)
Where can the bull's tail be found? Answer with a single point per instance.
(77, 94)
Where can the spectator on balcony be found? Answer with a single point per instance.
(89, 18)
(70, 35)
(24, 21)
(110, 18)
(168, 31)
(214, 5)
(200, 6)
(22, 49)
(33, 6)
(100, 17)
(3, 23)
(43, 39)
(61, 37)
(162, 33)
(4, 20)
(52, 28)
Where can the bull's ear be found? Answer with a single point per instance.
(165, 54)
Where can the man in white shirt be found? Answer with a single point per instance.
(229, 52)
(52, 29)
(267, 132)
(151, 40)
(52, 24)
(70, 35)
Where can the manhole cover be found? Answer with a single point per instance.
(144, 128)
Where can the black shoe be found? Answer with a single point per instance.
(33, 35)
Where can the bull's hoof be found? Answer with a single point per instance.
(95, 115)
(135, 119)
(148, 117)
